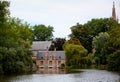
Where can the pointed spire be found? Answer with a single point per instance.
(113, 12)
(113, 4)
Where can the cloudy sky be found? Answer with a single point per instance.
(62, 14)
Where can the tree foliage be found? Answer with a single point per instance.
(102, 35)
(74, 54)
(113, 44)
(99, 44)
(15, 41)
(4, 12)
(42, 33)
(58, 44)
(114, 61)
(82, 33)
(95, 26)
(86, 32)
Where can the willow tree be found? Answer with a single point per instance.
(75, 53)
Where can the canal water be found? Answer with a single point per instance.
(52, 75)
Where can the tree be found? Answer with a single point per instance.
(112, 47)
(98, 44)
(58, 44)
(114, 61)
(82, 33)
(42, 33)
(95, 26)
(4, 12)
(113, 44)
(74, 41)
(74, 54)
(21, 29)
(15, 41)
(86, 32)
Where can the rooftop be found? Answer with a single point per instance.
(40, 45)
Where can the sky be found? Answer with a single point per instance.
(62, 14)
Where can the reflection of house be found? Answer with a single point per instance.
(45, 58)
(51, 71)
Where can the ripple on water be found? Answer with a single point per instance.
(87, 75)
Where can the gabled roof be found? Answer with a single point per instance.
(41, 55)
(60, 55)
(40, 45)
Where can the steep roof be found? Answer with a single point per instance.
(41, 45)
(41, 55)
(60, 55)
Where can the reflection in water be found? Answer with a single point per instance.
(56, 75)
(97, 76)
(51, 71)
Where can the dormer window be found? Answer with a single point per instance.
(41, 58)
(59, 57)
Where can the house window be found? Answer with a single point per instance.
(50, 62)
(59, 57)
(50, 58)
(59, 62)
(41, 62)
(41, 58)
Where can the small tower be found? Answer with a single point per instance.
(113, 12)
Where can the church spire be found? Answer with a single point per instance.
(113, 12)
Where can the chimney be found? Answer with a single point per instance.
(47, 49)
(54, 53)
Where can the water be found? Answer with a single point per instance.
(81, 75)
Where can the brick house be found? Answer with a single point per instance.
(45, 58)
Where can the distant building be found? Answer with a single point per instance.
(45, 58)
(114, 12)
(39, 46)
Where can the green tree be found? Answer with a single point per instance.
(21, 28)
(74, 41)
(98, 44)
(58, 44)
(114, 61)
(113, 44)
(95, 26)
(92, 28)
(4, 12)
(74, 54)
(112, 49)
(43, 33)
(82, 33)
(90, 59)
(15, 41)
